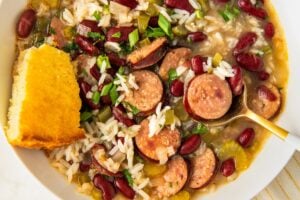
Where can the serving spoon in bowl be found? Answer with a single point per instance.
(240, 109)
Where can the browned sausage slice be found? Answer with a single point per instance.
(153, 147)
(202, 169)
(58, 32)
(98, 165)
(148, 55)
(208, 97)
(172, 60)
(149, 94)
(266, 101)
(173, 180)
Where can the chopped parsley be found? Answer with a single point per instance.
(125, 48)
(172, 74)
(131, 108)
(96, 36)
(200, 128)
(128, 177)
(70, 47)
(97, 15)
(52, 31)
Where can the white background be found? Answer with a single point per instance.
(16, 182)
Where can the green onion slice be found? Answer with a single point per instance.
(165, 25)
(116, 35)
(96, 97)
(155, 32)
(106, 89)
(85, 116)
(103, 63)
(114, 95)
(133, 37)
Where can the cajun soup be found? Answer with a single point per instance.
(149, 73)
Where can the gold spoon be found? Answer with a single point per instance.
(240, 109)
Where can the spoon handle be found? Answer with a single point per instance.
(294, 140)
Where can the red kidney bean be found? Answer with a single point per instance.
(269, 30)
(263, 75)
(197, 64)
(196, 37)
(124, 32)
(227, 167)
(190, 145)
(265, 93)
(106, 100)
(236, 82)
(180, 4)
(129, 3)
(124, 187)
(93, 25)
(245, 41)
(153, 22)
(246, 6)
(85, 166)
(176, 88)
(95, 72)
(258, 12)
(246, 138)
(108, 191)
(86, 46)
(249, 61)
(84, 86)
(120, 114)
(84, 89)
(115, 59)
(26, 23)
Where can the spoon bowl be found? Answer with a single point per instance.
(240, 109)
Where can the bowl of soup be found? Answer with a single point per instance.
(150, 73)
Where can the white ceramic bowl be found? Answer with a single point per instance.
(266, 166)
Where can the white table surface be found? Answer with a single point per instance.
(16, 182)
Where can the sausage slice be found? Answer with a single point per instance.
(98, 165)
(148, 55)
(208, 97)
(202, 169)
(152, 147)
(173, 180)
(172, 60)
(149, 94)
(266, 101)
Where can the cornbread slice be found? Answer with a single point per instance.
(45, 104)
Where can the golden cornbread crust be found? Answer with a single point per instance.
(45, 105)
